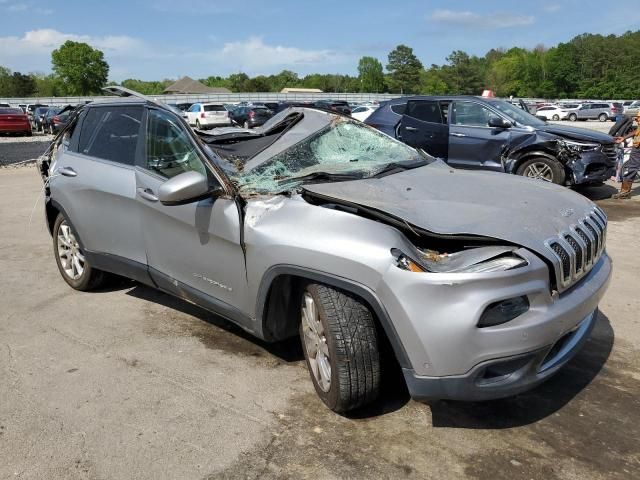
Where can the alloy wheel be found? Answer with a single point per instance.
(71, 257)
(315, 343)
(540, 171)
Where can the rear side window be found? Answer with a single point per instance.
(427, 111)
(111, 133)
(214, 108)
(399, 108)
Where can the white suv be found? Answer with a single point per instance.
(208, 115)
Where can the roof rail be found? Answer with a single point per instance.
(121, 91)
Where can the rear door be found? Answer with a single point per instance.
(95, 181)
(192, 246)
(472, 142)
(424, 125)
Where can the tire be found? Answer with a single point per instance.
(246, 125)
(542, 168)
(573, 117)
(555, 118)
(64, 240)
(603, 117)
(345, 331)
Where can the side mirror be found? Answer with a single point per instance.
(185, 188)
(499, 122)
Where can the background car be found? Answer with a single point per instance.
(5, 105)
(251, 116)
(602, 111)
(47, 123)
(14, 120)
(208, 115)
(633, 109)
(31, 107)
(387, 117)
(362, 113)
(554, 113)
(37, 119)
(491, 134)
(335, 105)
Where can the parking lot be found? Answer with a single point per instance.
(127, 382)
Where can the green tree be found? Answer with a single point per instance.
(81, 67)
(370, 75)
(404, 69)
(238, 82)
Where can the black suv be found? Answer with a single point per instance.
(492, 134)
(336, 105)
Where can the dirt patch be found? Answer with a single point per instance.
(620, 210)
(541, 434)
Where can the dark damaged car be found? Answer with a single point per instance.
(315, 225)
(492, 134)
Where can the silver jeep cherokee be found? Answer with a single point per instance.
(483, 284)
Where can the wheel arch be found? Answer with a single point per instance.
(525, 155)
(280, 287)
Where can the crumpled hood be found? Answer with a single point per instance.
(445, 201)
(576, 133)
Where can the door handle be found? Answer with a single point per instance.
(458, 135)
(147, 194)
(411, 129)
(67, 172)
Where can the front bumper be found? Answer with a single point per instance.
(591, 167)
(503, 377)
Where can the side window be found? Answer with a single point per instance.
(111, 133)
(471, 114)
(427, 111)
(399, 108)
(170, 150)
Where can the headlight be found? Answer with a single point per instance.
(580, 146)
(473, 260)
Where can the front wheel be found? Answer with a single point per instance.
(71, 260)
(555, 118)
(573, 117)
(340, 344)
(542, 168)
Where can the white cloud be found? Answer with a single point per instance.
(551, 8)
(132, 57)
(253, 54)
(23, 7)
(477, 20)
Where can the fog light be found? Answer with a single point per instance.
(503, 311)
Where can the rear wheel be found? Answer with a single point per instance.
(555, 118)
(542, 168)
(340, 346)
(573, 117)
(71, 260)
(603, 117)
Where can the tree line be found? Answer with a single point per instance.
(588, 66)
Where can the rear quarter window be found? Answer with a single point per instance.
(399, 108)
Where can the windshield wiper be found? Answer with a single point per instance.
(322, 177)
(396, 167)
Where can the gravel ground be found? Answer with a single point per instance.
(127, 382)
(19, 149)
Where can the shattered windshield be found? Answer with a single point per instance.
(518, 114)
(343, 150)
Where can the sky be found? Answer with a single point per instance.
(157, 39)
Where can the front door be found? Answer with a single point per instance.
(472, 142)
(192, 248)
(424, 125)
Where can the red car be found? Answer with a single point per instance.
(14, 120)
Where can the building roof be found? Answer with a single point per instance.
(189, 85)
(300, 90)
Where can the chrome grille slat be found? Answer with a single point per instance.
(578, 248)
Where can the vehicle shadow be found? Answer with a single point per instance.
(538, 403)
(289, 351)
(596, 192)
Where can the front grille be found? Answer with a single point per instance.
(578, 248)
(610, 150)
